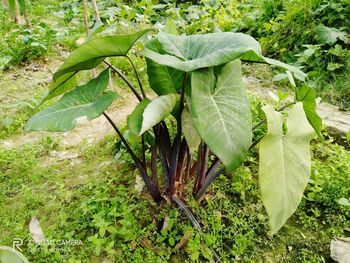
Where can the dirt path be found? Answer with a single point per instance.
(24, 83)
(98, 128)
(91, 131)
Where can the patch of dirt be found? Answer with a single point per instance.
(25, 83)
(91, 131)
(98, 128)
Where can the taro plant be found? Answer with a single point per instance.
(199, 125)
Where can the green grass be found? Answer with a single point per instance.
(53, 26)
(94, 200)
(22, 90)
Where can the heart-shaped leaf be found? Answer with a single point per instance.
(284, 163)
(87, 100)
(188, 53)
(92, 52)
(221, 112)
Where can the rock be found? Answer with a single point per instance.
(337, 121)
(340, 250)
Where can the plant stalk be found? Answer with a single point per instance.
(199, 166)
(86, 16)
(96, 12)
(131, 86)
(193, 220)
(187, 212)
(143, 150)
(180, 164)
(137, 161)
(173, 161)
(264, 120)
(188, 167)
(203, 169)
(154, 173)
(160, 142)
(208, 180)
(138, 77)
(175, 151)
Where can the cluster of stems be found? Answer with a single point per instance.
(177, 164)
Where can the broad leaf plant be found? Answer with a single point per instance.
(200, 122)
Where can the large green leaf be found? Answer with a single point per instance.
(92, 52)
(188, 53)
(307, 96)
(163, 79)
(329, 35)
(221, 112)
(297, 72)
(9, 255)
(63, 84)
(87, 100)
(284, 163)
(191, 135)
(87, 56)
(148, 113)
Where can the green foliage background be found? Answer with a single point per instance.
(104, 210)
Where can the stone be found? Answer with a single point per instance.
(340, 250)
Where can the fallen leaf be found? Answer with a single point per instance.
(139, 184)
(36, 231)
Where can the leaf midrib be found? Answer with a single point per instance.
(71, 108)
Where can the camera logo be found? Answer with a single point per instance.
(17, 243)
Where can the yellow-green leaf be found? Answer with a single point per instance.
(284, 163)
(148, 113)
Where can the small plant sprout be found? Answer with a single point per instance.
(199, 125)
